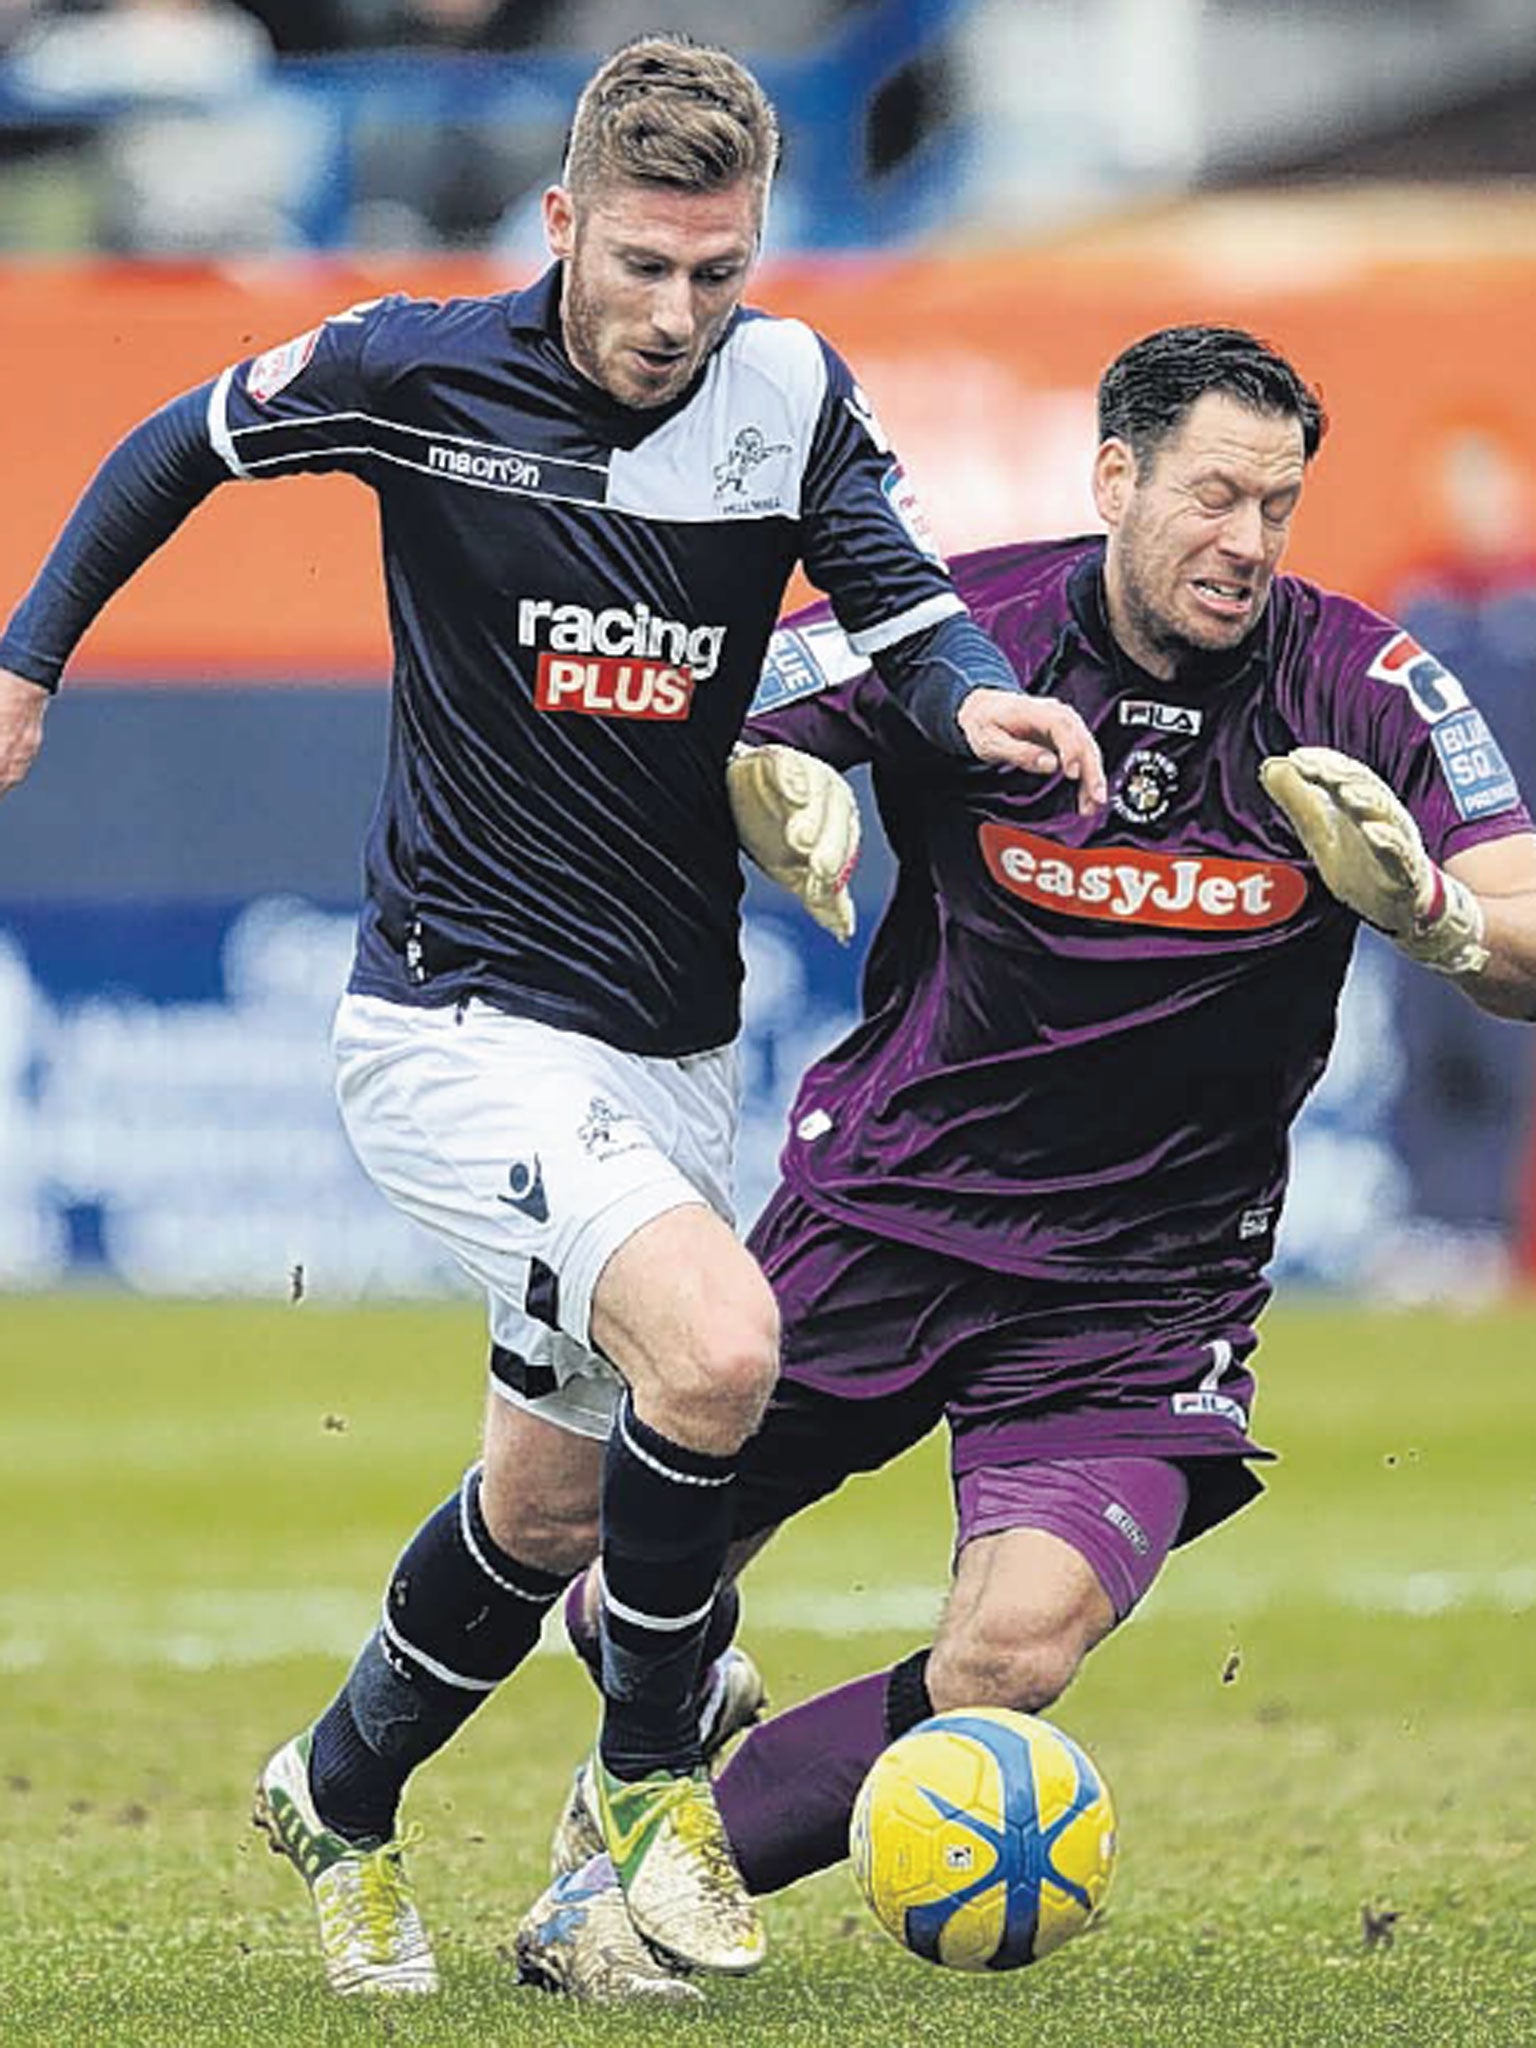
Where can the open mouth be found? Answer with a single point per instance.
(1231, 599)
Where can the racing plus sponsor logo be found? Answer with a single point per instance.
(621, 662)
(1129, 885)
(1432, 690)
(477, 465)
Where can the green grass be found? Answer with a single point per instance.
(1328, 1706)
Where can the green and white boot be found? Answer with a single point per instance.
(371, 1935)
(673, 1858)
(734, 1698)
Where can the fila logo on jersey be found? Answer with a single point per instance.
(1432, 690)
(1175, 718)
(1129, 885)
(616, 663)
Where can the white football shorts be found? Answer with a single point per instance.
(532, 1154)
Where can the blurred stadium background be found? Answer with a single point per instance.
(982, 201)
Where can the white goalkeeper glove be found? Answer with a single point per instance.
(1369, 853)
(799, 820)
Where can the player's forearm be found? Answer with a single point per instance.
(931, 674)
(136, 500)
(1505, 986)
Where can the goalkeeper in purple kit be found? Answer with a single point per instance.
(1034, 1193)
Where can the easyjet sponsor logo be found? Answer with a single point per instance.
(1131, 885)
(607, 686)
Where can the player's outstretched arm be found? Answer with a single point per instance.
(22, 705)
(1474, 919)
(955, 683)
(799, 820)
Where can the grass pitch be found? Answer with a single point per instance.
(1321, 1732)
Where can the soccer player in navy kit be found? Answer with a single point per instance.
(592, 494)
(1034, 1192)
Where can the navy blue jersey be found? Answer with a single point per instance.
(580, 596)
(1085, 1039)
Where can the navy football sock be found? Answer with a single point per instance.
(460, 1615)
(586, 1639)
(666, 1527)
(787, 1794)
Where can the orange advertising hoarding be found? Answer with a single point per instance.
(982, 369)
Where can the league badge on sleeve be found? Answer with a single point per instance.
(1432, 690)
(271, 372)
(802, 660)
(1478, 775)
(905, 503)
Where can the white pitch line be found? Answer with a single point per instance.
(200, 1630)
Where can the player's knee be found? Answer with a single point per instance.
(992, 1663)
(718, 1395)
(556, 1536)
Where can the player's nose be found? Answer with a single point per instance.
(672, 311)
(1242, 533)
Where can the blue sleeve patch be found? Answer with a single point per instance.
(1478, 774)
(801, 660)
(789, 672)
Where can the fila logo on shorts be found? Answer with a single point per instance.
(621, 662)
(1130, 885)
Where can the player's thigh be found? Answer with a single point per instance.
(1051, 1556)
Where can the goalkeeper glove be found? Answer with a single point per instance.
(800, 822)
(1369, 853)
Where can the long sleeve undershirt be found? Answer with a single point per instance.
(143, 491)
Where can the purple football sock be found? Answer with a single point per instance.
(787, 1794)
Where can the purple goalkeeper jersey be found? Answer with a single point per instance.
(1085, 1039)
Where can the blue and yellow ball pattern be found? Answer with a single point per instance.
(983, 1839)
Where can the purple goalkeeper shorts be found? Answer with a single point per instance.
(1142, 1392)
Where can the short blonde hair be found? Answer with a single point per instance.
(664, 110)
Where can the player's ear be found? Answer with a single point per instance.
(1114, 478)
(559, 222)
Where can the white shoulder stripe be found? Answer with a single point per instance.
(739, 449)
(218, 424)
(916, 619)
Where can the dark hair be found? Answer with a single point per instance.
(665, 110)
(1150, 386)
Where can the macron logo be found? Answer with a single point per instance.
(512, 472)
